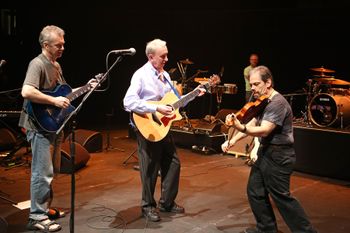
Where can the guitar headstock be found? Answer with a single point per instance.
(99, 76)
(214, 80)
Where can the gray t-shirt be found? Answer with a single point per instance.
(43, 75)
(279, 112)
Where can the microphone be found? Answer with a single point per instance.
(130, 51)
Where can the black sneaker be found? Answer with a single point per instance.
(150, 213)
(175, 208)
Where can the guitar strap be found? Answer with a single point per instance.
(174, 89)
(132, 124)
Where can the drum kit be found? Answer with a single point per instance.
(182, 84)
(328, 101)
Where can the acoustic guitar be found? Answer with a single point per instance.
(155, 126)
(49, 117)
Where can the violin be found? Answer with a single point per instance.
(252, 109)
(248, 112)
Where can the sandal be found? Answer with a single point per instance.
(55, 213)
(44, 225)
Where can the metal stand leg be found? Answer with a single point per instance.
(109, 145)
(129, 157)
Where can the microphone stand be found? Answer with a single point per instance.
(100, 79)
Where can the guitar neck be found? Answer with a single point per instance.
(75, 94)
(191, 95)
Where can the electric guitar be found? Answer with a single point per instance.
(155, 126)
(49, 117)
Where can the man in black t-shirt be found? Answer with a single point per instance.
(270, 175)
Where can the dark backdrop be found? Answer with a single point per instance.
(290, 38)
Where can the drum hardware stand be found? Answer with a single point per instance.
(341, 120)
(306, 116)
(182, 66)
(182, 70)
(219, 99)
(188, 126)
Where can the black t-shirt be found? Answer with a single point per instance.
(279, 112)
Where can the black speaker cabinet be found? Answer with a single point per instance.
(90, 140)
(82, 156)
(7, 139)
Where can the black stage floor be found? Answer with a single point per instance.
(212, 189)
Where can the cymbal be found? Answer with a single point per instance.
(322, 70)
(186, 62)
(340, 82)
(324, 79)
(332, 81)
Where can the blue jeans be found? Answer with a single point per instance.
(46, 158)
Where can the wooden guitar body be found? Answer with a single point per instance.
(156, 126)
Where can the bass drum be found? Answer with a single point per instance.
(328, 110)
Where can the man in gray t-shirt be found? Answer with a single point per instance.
(44, 74)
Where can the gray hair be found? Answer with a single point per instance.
(47, 33)
(264, 73)
(153, 45)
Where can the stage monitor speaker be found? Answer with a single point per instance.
(90, 140)
(7, 139)
(82, 156)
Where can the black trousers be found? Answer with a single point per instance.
(153, 157)
(270, 177)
